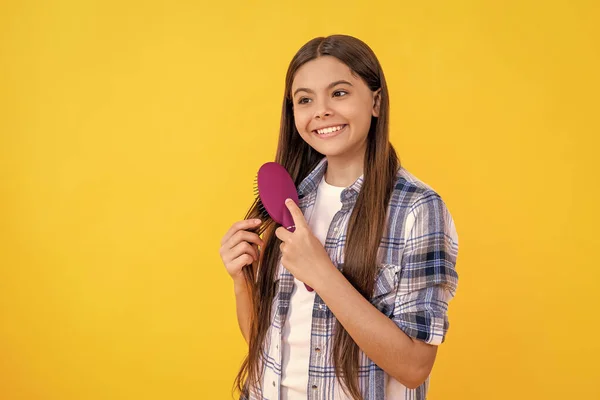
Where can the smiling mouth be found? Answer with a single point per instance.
(331, 131)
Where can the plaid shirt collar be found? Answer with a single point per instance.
(311, 183)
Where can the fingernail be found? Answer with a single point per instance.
(257, 221)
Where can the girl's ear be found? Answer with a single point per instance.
(376, 102)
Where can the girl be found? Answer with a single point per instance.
(378, 246)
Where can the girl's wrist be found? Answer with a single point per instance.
(240, 285)
(328, 273)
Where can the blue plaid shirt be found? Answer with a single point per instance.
(415, 282)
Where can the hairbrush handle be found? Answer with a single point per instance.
(292, 228)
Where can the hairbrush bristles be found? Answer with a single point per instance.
(264, 214)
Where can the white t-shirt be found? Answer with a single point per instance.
(295, 342)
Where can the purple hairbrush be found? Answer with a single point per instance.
(274, 186)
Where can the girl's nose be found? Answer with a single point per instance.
(322, 109)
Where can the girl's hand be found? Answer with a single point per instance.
(236, 249)
(301, 252)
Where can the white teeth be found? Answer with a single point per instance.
(329, 130)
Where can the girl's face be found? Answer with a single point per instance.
(332, 107)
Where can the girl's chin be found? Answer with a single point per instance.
(331, 151)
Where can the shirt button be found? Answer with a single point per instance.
(318, 350)
(335, 229)
(314, 387)
(320, 306)
(273, 383)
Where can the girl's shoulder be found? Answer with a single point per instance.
(408, 189)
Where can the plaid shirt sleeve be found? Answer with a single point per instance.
(427, 279)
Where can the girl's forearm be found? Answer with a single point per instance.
(243, 307)
(401, 357)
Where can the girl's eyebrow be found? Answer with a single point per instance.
(332, 84)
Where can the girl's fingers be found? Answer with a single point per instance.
(240, 225)
(240, 262)
(243, 236)
(240, 249)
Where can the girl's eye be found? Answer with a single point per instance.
(305, 100)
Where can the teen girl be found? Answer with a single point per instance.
(378, 246)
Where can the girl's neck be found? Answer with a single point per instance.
(343, 172)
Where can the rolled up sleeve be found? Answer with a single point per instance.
(427, 279)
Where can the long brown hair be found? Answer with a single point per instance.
(366, 224)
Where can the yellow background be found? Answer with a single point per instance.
(130, 133)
